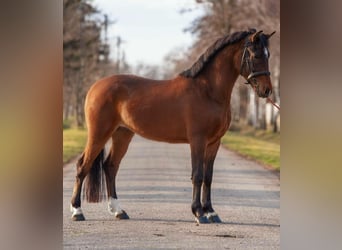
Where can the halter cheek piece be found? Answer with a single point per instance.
(246, 60)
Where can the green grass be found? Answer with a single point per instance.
(258, 145)
(74, 141)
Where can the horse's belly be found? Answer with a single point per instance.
(158, 127)
(171, 138)
(157, 134)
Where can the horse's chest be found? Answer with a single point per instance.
(220, 124)
(224, 127)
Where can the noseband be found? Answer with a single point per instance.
(246, 60)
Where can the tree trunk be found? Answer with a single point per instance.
(243, 92)
(262, 118)
(79, 100)
(256, 113)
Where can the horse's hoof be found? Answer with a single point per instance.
(213, 217)
(202, 220)
(78, 217)
(122, 216)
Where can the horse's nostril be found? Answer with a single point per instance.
(268, 92)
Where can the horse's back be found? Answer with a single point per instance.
(116, 88)
(127, 81)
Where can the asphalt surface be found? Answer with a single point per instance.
(155, 190)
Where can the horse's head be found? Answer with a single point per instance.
(254, 63)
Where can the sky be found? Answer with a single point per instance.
(150, 29)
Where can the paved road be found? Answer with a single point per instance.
(154, 187)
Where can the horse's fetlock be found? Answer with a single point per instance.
(207, 208)
(196, 209)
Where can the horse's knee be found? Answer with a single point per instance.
(197, 179)
(197, 182)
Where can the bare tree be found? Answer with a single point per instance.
(84, 54)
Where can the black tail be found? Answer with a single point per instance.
(94, 185)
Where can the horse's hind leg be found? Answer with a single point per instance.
(210, 156)
(97, 138)
(83, 167)
(120, 141)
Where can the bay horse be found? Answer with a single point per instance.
(192, 108)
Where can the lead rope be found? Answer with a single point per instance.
(273, 103)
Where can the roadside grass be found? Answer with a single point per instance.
(74, 141)
(259, 145)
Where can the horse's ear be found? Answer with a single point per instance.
(255, 36)
(268, 36)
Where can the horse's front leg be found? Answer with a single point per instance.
(210, 156)
(197, 162)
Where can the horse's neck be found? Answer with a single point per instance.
(221, 74)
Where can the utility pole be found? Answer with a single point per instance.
(118, 44)
(119, 53)
(106, 46)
